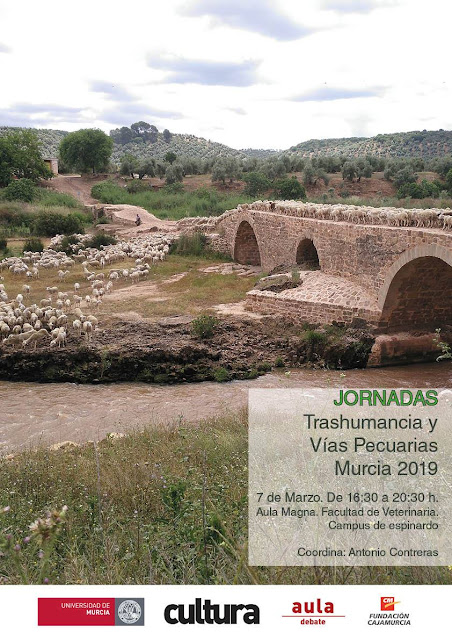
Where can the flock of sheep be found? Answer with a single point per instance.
(53, 318)
(392, 216)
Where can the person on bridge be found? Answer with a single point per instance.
(138, 220)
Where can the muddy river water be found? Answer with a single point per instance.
(34, 414)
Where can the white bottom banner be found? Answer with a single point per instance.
(225, 611)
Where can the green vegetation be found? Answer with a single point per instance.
(33, 244)
(193, 244)
(204, 326)
(289, 189)
(425, 144)
(424, 189)
(256, 184)
(23, 190)
(20, 157)
(48, 214)
(221, 375)
(86, 149)
(100, 239)
(167, 505)
(446, 350)
(51, 223)
(166, 204)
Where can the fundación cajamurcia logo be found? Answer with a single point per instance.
(204, 612)
(389, 615)
(314, 612)
(82, 612)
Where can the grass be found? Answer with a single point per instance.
(167, 205)
(166, 505)
(20, 218)
(194, 293)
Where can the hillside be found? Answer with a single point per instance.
(423, 144)
(181, 144)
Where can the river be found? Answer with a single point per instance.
(35, 414)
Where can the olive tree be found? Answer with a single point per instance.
(86, 149)
(20, 157)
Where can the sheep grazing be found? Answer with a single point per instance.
(87, 329)
(77, 326)
(22, 325)
(17, 338)
(60, 338)
(37, 336)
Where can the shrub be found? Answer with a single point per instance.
(23, 190)
(138, 186)
(33, 244)
(99, 240)
(175, 187)
(314, 338)
(425, 189)
(290, 189)
(108, 191)
(189, 245)
(221, 375)
(52, 223)
(66, 242)
(204, 326)
(49, 198)
(3, 243)
(256, 183)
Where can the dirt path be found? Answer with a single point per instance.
(122, 214)
(126, 214)
(75, 186)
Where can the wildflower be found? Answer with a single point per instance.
(45, 528)
(6, 509)
(17, 547)
(27, 539)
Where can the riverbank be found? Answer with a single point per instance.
(170, 353)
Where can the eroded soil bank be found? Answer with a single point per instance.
(165, 353)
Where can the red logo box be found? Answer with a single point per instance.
(76, 612)
(387, 604)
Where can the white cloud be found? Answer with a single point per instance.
(228, 72)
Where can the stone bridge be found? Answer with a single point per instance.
(389, 267)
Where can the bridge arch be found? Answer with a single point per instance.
(246, 247)
(416, 292)
(307, 255)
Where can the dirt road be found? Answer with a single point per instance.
(75, 186)
(123, 214)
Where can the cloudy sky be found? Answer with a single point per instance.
(248, 73)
